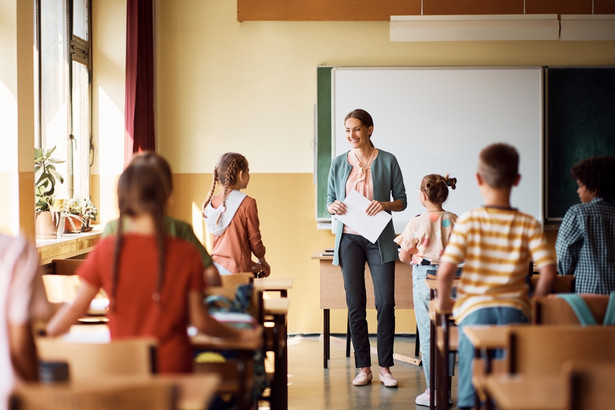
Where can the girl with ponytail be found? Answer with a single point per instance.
(232, 218)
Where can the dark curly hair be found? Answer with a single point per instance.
(597, 174)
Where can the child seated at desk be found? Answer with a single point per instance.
(497, 242)
(154, 281)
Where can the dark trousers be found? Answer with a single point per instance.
(354, 251)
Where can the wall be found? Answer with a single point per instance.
(251, 87)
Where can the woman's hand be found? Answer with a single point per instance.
(374, 207)
(337, 208)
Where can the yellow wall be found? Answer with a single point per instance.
(251, 87)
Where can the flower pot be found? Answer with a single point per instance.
(73, 224)
(46, 225)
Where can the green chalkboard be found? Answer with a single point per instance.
(580, 123)
(323, 141)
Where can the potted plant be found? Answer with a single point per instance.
(46, 176)
(78, 213)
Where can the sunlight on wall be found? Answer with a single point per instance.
(110, 148)
(8, 119)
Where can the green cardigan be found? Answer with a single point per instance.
(387, 180)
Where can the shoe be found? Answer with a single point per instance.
(362, 379)
(423, 399)
(388, 380)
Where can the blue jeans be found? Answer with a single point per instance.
(484, 316)
(420, 297)
(354, 251)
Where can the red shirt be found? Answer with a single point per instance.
(136, 313)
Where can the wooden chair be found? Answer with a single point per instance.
(541, 350)
(159, 396)
(237, 376)
(90, 361)
(553, 310)
(589, 385)
(561, 284)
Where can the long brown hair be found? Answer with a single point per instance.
(226, 172)
(142, 188)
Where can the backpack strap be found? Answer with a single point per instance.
(609, 317)
(579, 307)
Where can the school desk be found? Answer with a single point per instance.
(333, 296)
(522, 392)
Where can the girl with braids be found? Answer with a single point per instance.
(154, 281)
(232, 219)
(422, 243)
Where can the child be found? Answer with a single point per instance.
(497, 242)
(154, 281)
(586, 237)
(172, 226)
(422, 243)
(22, 300)
(232, 218)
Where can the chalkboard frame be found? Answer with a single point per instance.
(580, 123)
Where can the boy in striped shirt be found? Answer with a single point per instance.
(496, 242)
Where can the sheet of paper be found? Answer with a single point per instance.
(370, 227)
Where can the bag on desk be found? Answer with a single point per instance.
(236, 313)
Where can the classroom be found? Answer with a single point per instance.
(225, 85)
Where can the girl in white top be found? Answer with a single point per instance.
(22, 300)
(422, 243)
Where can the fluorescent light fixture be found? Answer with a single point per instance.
(499, 27)
(587, 27)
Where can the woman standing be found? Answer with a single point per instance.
(376, 175)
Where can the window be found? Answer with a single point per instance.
(64, 90)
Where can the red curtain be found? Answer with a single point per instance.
(139, 109)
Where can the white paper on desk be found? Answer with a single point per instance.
(370, 227)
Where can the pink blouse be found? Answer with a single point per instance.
(360, 179)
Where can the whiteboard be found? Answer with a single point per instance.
(437, 119)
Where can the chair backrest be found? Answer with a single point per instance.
(553, 310)
(89, 361)
(127, 396)
(541, 350)
(561, 283)
(590, 384)
(230, 283)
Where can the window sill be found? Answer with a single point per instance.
(68, 245)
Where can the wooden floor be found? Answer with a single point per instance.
(312, 387)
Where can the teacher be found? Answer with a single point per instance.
(376, 175)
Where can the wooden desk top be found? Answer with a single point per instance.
(277, 306)
(487, 337)
(267, 284)
(195, 390)
(526, 392)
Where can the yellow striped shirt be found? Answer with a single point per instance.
(497, 246)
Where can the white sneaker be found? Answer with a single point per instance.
(423, 399)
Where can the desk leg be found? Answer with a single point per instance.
(279, 391)
(326, 342)
(432, 365)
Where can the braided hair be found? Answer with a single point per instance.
(435, 187)
(226, 172)
(143, 188)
